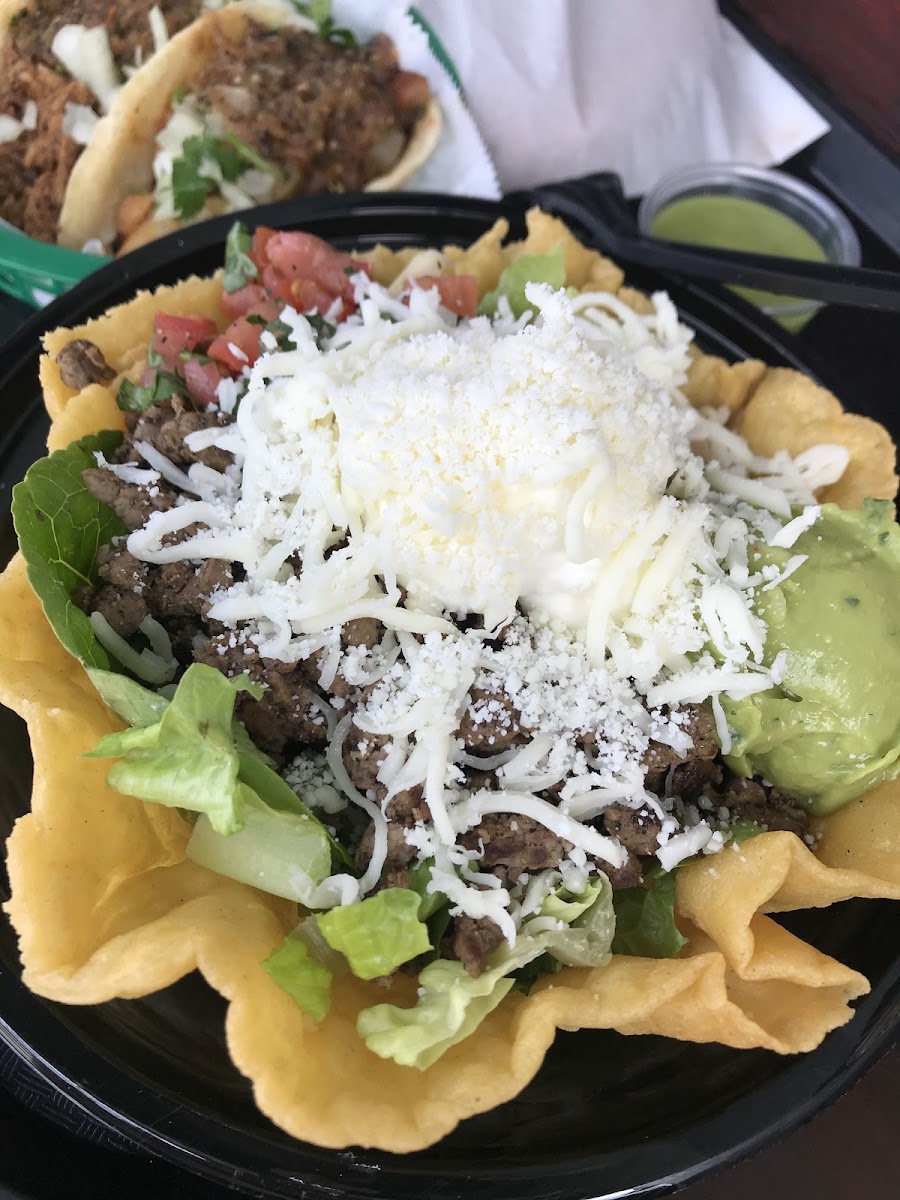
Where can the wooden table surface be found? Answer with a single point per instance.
(846, 1153)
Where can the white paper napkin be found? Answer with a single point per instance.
(561, 88)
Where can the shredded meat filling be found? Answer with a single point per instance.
(35, 167)
(330, 118)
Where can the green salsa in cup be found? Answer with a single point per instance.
(755, 210)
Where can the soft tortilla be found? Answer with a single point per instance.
(106, 905)
(8, 9)
(119, 159)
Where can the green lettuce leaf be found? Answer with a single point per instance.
(128, 699)
(379, 934)
(306, 980)
(282, 853)
(530, 268)
(419, 878)
(188, 759)
(60, 527)
(645, 919)
(452, 1004)
(591, 925)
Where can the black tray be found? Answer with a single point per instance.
(606, 1115)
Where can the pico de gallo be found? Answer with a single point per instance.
(265, 271)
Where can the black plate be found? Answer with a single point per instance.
(607, 1115)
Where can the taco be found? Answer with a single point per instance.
(61, 68)
(464, 680)
(251, 103)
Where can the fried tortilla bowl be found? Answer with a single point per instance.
(106, 905)
(119, 160)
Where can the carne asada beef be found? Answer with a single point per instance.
(636, 828)
(490, 723)
(402, 811)
(629, 875)
(124, 610)
(695, 778)
(132, 503)
(331, 118)
(363, 755)
(760, 804)
(165, 426)
(117, 567)
(700, 727)
(362, 631)
(181, 589)
(81, 363)
(514, 846)
(471, 941)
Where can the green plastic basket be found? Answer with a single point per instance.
(37, 272)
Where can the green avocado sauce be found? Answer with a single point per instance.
(735, 223)
(831, 730)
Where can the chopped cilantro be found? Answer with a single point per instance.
(239, 266)
(319, 12)
(324, 329)
(134, 398)
(190, 187)
(281, 332)
(179, 94)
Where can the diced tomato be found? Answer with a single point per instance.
(261, 236)
(459, 293)
(298, 255)
(171, 335)
(252, 299)
(202, 380)
(278, 286)
(240, 338)
(308, 295)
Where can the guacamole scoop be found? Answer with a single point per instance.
(831, 730)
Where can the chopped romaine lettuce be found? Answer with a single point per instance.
(306, 980)
(379, 934)
(129, 700)
(645, 919)
(60, 527)
(283, 853)
(530, 268)
(419, 878)
(188, 759)
(452, 1004)
(586, 940)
